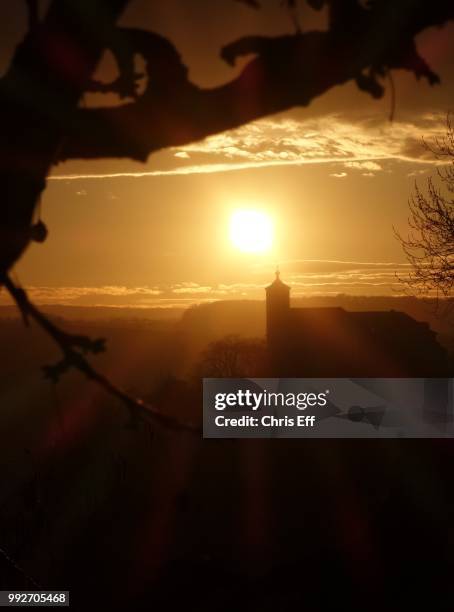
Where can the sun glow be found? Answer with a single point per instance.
(251, 231)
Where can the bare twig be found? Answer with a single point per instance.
(429, 245)
(74, 348)
(15, 565)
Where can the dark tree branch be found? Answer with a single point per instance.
(74, 348)
(38, 94)
(287, 71)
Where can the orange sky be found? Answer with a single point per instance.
(336, 177)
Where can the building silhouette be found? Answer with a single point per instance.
(333, 342)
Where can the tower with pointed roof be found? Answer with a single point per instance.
(277, 311)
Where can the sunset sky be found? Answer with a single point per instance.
(335, 178)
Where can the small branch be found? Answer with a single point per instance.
(15, 565)
(74, 348)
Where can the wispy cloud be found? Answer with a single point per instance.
(318, 277)
(81, 296)
(370, 166)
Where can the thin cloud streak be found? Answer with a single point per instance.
(204, 169)
(214, 168)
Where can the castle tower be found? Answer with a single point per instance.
(277, 312)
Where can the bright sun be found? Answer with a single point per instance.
(251, 231)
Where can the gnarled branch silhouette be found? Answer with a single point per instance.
(74, 349)
(287, 71)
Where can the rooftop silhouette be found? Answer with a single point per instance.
(334, 342)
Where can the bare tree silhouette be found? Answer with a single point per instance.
(232, 357)
(43, 122)
(429, 246)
